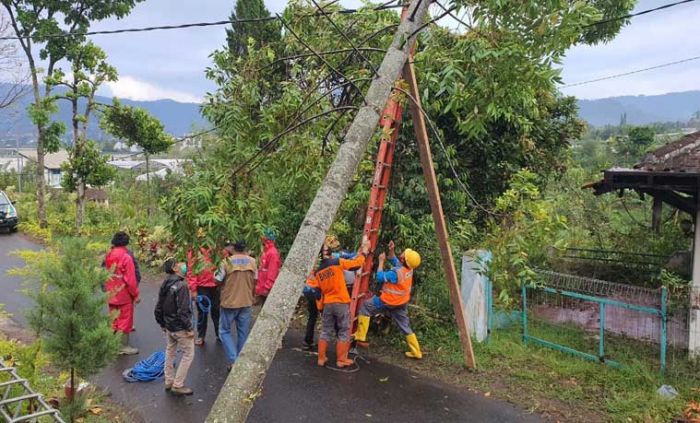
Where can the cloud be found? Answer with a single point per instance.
(649, 40)
(134, 89)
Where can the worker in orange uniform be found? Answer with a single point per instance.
(393, 299)
(329, 284)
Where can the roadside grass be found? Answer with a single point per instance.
(34, 366)
(558, 385)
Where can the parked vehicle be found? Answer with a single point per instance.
(8, 213)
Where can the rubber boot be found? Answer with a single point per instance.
(341, 352)
(322, 348)
(361, 332)
(414, 347)
(127, 349)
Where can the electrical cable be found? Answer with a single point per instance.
(447, 156)
(640, 13)
(345, 36)
(620, 75)
(187, 25)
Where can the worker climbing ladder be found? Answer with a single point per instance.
(19, 402)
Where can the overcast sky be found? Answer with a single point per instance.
(170, 64)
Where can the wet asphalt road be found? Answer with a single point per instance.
(295, 389)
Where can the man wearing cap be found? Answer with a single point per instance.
(237, 274)
(270, 263)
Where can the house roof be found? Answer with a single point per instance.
(679, 156)
(670, 173)
(51, 160)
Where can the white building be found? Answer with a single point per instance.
(18, 159)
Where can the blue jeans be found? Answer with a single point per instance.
(240, 318)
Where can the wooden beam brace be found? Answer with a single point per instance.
(675, 200)
(426, 159)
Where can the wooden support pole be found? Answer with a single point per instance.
(426, 159)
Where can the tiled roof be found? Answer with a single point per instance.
(679, 156)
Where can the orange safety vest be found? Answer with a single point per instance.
(397, 294)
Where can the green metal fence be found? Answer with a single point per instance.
(604, 301)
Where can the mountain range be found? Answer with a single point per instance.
(180, 119)
(641, 109)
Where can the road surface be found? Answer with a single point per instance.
(295, 389)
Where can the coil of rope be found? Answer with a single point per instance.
(150, 369)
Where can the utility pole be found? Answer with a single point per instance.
(243, 384)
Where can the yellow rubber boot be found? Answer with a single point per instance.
(361, 332)
(414, 347)
(322, 348)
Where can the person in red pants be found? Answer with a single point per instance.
(122, 289)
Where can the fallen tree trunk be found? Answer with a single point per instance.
(244, 382)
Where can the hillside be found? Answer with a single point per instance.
(641, 109)
(178, 118)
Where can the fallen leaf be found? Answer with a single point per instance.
(96, 410)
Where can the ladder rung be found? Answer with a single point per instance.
(20, 398)
(12, 382)
(35, 415)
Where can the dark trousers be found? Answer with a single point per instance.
(214, 295)
(313, 316)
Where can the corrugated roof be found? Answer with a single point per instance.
(679, 156)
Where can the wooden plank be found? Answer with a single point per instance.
(426, 159)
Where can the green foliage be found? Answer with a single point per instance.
(88, 166)
(259, 33)
(522, 238)
(35, 22)
(136, 127)
(70, 309)
(632, 146)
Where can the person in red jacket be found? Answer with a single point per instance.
(270, 263)
(122, 289)
(202, 283)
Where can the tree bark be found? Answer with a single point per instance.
(244, 382)
(148, 187)
(78, 141)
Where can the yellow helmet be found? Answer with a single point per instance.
(412, 258)
(332, 243)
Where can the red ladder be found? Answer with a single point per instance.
(390, 122)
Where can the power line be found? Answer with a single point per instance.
(190, 25)
(620, 75)
(438, 137)
(640, 13)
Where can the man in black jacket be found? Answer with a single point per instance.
(174, 315)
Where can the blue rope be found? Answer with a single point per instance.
(204, 304)
(152, 368)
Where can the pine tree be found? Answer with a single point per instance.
(262, 33)
(70, 313)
